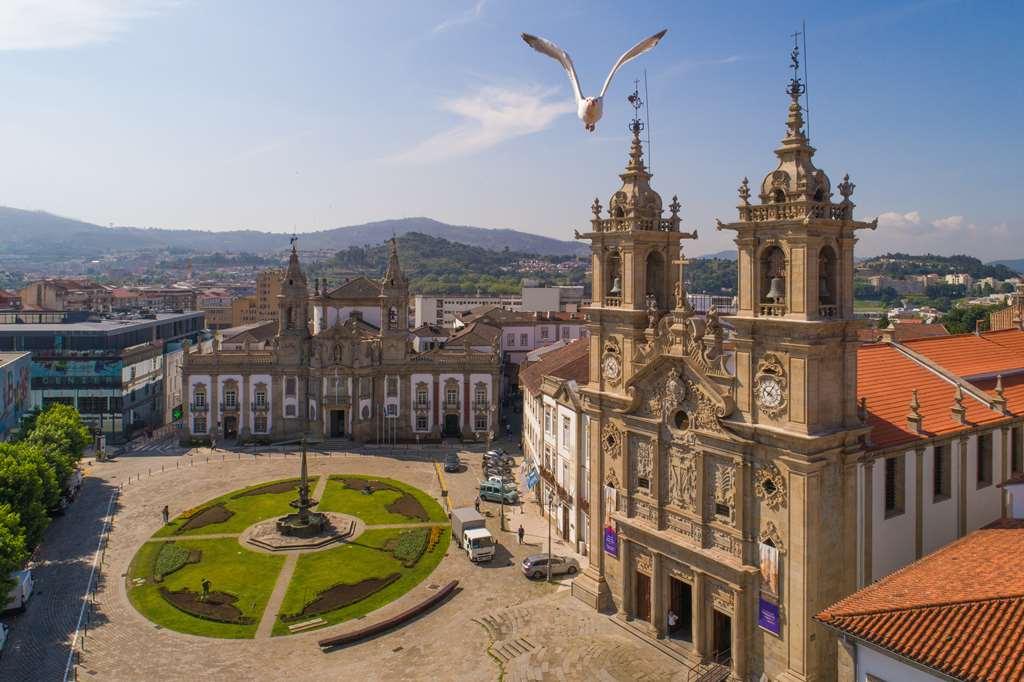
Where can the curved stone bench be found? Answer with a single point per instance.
(394, 621)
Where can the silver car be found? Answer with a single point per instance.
(536, 566)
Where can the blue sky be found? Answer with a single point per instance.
(306, 115)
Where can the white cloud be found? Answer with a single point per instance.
(951, 224)
(468, 17)
(57, 24)
(899, 220)
(490, 116)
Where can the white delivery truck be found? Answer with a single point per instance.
(469, 530)
(18, 597)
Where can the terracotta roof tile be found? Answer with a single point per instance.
(959, 610)
(886, 377)
(570, 362)
(971, 355)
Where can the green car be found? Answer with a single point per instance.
(496, 492)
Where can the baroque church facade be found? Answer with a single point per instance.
(352, 374)
(725, 510)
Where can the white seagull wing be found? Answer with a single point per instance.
(561, 56)
(633, 52)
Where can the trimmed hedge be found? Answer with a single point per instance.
(410, 545)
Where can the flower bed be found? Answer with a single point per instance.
(406, 505)
(172, 557)
(409, 546)
(217, 606)
(270, 488)
(341, 595)
(218, 513)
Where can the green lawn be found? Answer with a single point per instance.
(351, 563)
(372, 509)
(229, 568)
(248, 510)
(869, 306)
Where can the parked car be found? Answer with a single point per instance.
(506, 481)
(497, 492)
(17, 598)
(452, 463)
(499, 460)
(535, 566)
(3, 635)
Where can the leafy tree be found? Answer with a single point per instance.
(962, 319)
(28, 486)
(13, 551)
(62, 437)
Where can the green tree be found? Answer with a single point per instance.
(963, 319)
(29, 486)
(62, 437)
(13, 551)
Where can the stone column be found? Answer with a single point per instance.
(626, 605)
(961, 503)
(700, 640)
(658, 614)
(215, 414)
(1004, 473)
(918, 502)
(245, 416)
(740, 632)
(868, 513)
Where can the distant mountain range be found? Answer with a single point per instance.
(1016, 264)
(37, 234)
(728, 254)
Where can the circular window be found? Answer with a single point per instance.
(768, 486)
(681, 420)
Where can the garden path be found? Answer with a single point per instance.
(318, 492)
(277, 596)
(198, 536)
(424, 524)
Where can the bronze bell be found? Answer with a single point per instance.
(823, 292)
(777, 290)
(616, 287)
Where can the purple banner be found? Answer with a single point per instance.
(611, 542)
(768, 616)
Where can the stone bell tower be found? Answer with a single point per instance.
(292, 309)
(394, 308)
(796, 391)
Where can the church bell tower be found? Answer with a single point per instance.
(394, 308)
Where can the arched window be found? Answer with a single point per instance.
(819, 195)
(778, 196)
(655, 269)
(392, 317)
(337, 354)
(613, 278)
(773, 280)
(827, 282)
(480, 394)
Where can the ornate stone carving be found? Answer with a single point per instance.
(678, 523)
(770, 486)
(611, 479)
(644, 563)
(723, 599)
(725, 543)
(643, 462)
(683, 481)
(725, 491)
(706, 412)
(611, 440)
(680, 571)
(643, 510)
(770, 532)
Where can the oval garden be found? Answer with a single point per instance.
(199, 574)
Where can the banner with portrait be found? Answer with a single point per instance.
(769, 562)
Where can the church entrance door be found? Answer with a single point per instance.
(230, 427)
(451, 425)
(337, 423)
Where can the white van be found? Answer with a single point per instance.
(19, 595)
(479, 543)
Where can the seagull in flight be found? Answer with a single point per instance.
(589, 109)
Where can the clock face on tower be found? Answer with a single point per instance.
(610, 367)
(770, 394)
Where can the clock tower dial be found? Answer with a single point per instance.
(611, 368)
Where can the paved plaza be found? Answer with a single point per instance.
(497, 626)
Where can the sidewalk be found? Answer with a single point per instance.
(536, 527)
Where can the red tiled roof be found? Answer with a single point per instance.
(970, 354)
(886, 377)
(959, 610)
(1013, 339)
(570, 362)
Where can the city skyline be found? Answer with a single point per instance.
(185, 114)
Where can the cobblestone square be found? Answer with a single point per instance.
(497, 624)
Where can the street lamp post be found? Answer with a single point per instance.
(550, 496)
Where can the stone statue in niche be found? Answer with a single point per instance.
(683, 484)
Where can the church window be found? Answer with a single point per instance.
(681, 420)
(392, 317)
(451, 396)
(778, 196)
(894, 485)
(773, 280)
(392, 387)
(827, 276)
(984, 465)
(289, 387)
(613, 276)
(940, 473)
(655, 271)
(1016, 450)
(337, 354)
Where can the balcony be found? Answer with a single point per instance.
(202, 406)
(337, 397)
(612, 301)
(229, 407)
(636, 224)
(828, 312)
(481, 404)
(259, 406)
(773, 309)
(796, 210)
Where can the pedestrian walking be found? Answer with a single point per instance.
(522, 533)
(476, 503)
(166, 513)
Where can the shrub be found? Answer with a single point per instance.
(409, 546)
(435, 536)
(170, 558)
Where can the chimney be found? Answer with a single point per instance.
(889, 334)
(958, 411)
(914, 418)
(1015, 487)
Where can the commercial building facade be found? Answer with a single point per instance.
(15, 382)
